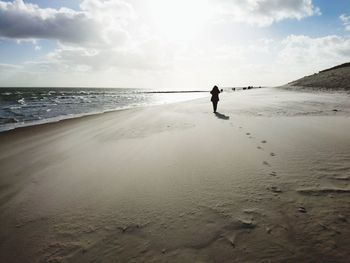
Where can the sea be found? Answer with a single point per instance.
(20, 107)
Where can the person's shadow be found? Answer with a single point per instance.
(222, 116)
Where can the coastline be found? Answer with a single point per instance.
(87, 114)
(265, 179)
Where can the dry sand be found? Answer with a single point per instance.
(267, 180)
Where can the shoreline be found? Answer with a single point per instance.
(59, 120)
(15, 126)
(79, 116)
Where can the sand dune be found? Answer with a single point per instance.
(266, 180)
(336, 78)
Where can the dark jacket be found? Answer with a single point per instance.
(215, 94)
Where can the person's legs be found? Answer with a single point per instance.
(215, 105)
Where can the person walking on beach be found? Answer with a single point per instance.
(215, 97)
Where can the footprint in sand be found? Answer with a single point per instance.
(302, 209)
(247, 133)
(272, 154)
(273, 173)
(266, 163)
(260, 148)
(275, 189)
(263, 141)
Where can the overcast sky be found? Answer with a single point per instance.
(169, 44)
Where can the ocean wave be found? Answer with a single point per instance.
(15, 107)
(8, 120)
(32, 106)
(21, 101)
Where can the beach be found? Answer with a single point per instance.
(264, 180)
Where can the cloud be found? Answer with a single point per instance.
(310, 55)
(151, 65)
(94, 40)
(270, 62)
(346, 21)
(150, 55)
(108, 10)
(19, 20)
(107, 43)
(104, 21)
(266, 12)
(8, 67)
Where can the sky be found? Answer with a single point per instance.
(169, 44)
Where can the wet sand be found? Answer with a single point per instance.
(265, 180)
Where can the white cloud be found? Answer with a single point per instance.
(257, 62)
(328, 49)
(266, 12)
(268, 61)
(8, 72)
(95, 38)
(101, 21)
(108, 43)
(8, 67)
(149, 55)
(303, 55)
(19, 20)
(107, 11)
(346, 21)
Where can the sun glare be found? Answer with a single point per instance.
(179, 19)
